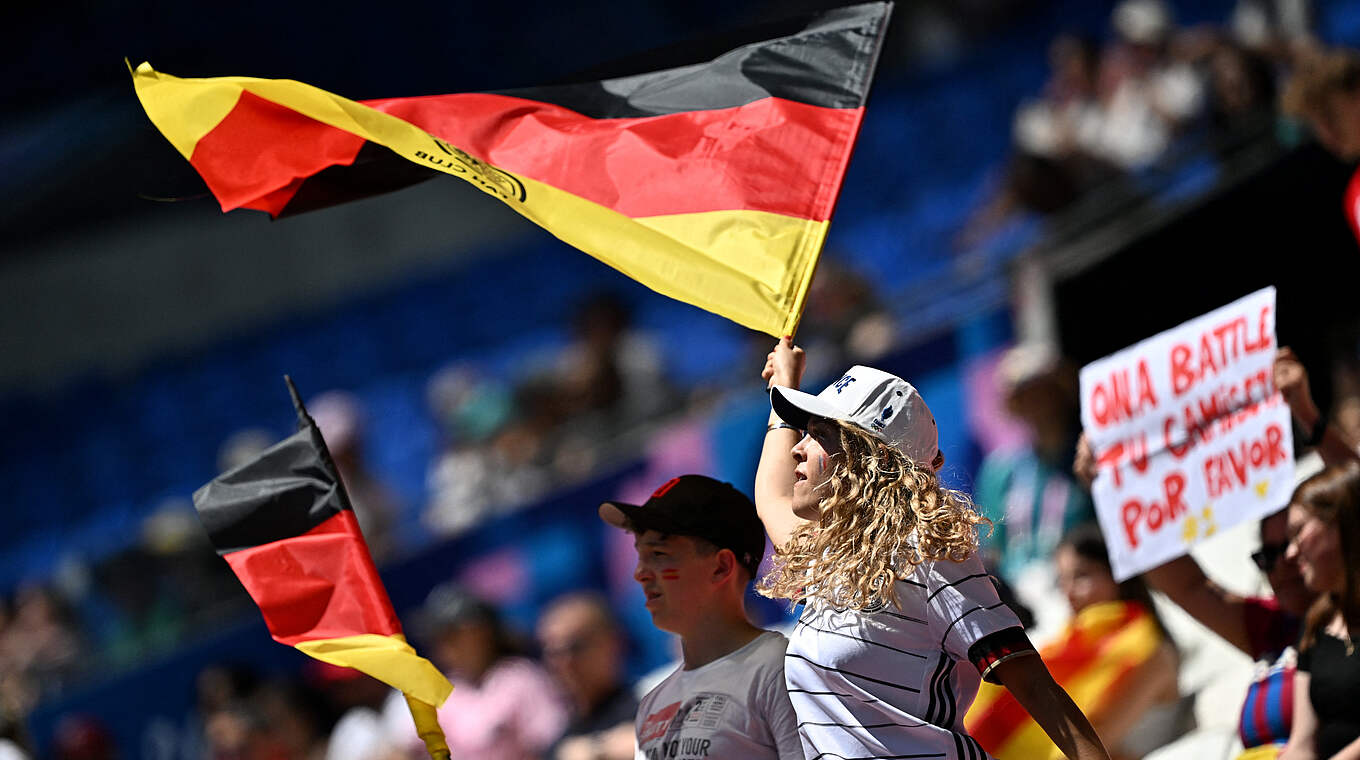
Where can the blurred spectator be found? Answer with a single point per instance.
(1113, 658)
(1260, 24)
(503, 706)
(143, 615)
(241, 447)
(14, 742)
(340, 418)
(219, 686)
(233, 732)
(1241, 97)
(358, 700)
(1264, 628)
(82, 737)
(1054, 161)
(607, 380)
(228, 726)
(1346, 399)
(610, 368)
(1148, 91)
(844, 321)
(1029, 492)
(39, 649)
(1324, 529)
(295, 721)
(1324, 91)
(583, 647)
(494, 451)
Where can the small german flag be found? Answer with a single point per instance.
(285, 525)
(712, 182)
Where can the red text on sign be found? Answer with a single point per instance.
(1232, 469)
(1121, 396)
(1217, 348)
(1140, 518)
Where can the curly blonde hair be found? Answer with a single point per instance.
(885, 515)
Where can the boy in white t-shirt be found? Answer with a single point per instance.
(699, 544)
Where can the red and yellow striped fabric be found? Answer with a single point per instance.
(1094, 657)
(712, 182)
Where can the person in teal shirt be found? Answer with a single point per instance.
(1029, 492)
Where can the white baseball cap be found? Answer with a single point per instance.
(884, 405)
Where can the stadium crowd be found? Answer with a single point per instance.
(562, 693)
(1115, 112)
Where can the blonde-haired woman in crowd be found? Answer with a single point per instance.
(901, 620)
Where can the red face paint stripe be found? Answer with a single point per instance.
(319, 585)
(670, 575)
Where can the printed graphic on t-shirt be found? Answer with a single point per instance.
(683, 731)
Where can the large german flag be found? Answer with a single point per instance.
(285, 525)
(711, 182)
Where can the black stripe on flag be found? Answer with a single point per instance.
(290, 488)
(825, 59)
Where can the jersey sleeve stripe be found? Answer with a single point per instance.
(867, 700)
(900, 616)
(877, 757)
(934, 702)
(866, 725)
(917, 655)
(945, 694)
(820, 666)
(955, 583)
(956, 620)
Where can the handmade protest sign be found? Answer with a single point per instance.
(1189, 433)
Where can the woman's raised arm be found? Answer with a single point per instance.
(774, 476)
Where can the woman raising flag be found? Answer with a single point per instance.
(901, 620)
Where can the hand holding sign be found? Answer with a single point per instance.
(1188, 433)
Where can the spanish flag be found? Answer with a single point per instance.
(711, 182)
(285, 525)
(1094, 659)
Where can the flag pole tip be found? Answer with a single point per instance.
(297, 398)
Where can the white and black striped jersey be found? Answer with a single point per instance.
(895, 682)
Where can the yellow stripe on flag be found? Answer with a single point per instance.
(387, 658)
(748, 266)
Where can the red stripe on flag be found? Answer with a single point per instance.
(319, 585)
(256, 156)
(757, 156)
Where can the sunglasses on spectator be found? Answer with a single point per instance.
(1269, 555)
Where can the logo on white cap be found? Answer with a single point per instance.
(885, 405)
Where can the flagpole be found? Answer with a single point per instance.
(427, 725)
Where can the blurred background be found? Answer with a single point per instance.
(1065, 177)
